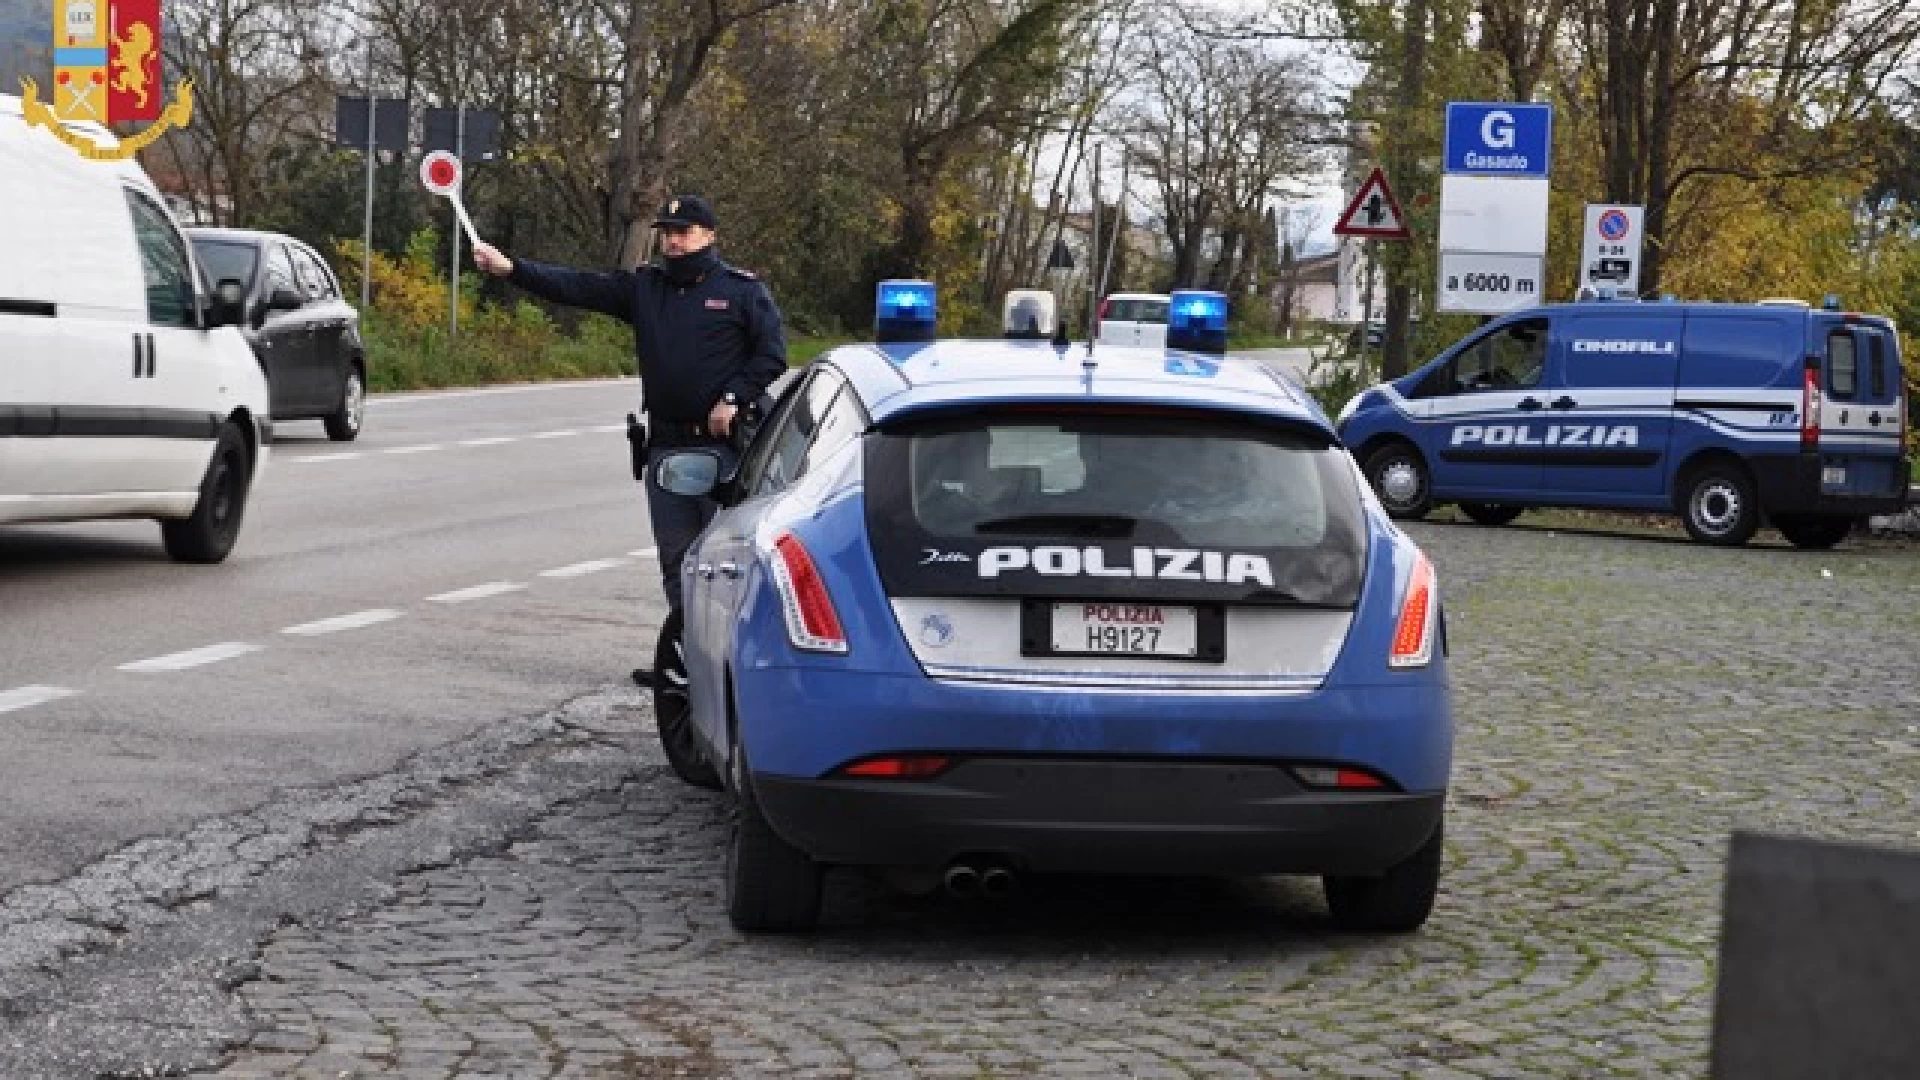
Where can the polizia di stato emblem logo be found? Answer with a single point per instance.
(106, 71)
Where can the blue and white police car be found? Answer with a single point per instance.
(979, 609)
(1726, 414)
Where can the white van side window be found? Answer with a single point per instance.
(171, 297)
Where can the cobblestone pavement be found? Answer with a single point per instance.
(1623, 702)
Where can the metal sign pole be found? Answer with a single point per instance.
(453, 271)
(366, 229)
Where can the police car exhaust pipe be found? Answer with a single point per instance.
(962, 880)
(996, 882)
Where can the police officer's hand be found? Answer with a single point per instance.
(490, 261)
(720, 419)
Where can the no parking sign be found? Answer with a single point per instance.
(1610, 252)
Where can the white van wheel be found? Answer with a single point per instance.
(208, 536)
(1721, 507)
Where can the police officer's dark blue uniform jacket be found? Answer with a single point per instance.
(703, 329)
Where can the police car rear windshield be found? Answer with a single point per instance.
(1177, 506)
(1122, 309)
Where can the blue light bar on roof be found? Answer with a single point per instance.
(1197, 321)
(905, 311)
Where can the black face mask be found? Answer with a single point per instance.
(684, 270)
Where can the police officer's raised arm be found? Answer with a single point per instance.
(610, 292)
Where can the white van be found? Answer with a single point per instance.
(125, 391)
(1134, 319)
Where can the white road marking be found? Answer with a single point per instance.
(421, 449)
(349, 456)
(554, 435)
(384, 400)
(608, 429)
(646, 553)
(477, 592)
(22, 697)
(581, 568)
(355, 621)
(495, 440)
(192, 658)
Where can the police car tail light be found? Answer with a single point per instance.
(905, 311)
(906, 767)
(1326, 776)
(1810, 407)
(1413, 635)
(812, 624)
(1197, 321)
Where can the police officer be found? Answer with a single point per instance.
(709, 342)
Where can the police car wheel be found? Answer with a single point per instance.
(208, 535)
(673, 710)
(772, 886)
(1396, 902)
(1814, 533)
(1721, 507)
(1399, 477)
(344, 425)
(1492, 515)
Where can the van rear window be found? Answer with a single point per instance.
(1102, 505)
(1842, 365)
(1136, 310)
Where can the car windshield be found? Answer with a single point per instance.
(1127, 484)
(223, 259)
(1135, 309)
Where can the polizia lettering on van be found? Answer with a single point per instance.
(1163, 564)
(1588, 435)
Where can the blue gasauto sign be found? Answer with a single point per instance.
(1499, 138)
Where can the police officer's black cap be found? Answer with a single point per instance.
(686, 210)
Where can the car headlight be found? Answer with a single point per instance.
(1352, 406)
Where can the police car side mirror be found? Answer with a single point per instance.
(688, 472)
(228, 304)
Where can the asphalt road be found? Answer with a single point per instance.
(475, 555)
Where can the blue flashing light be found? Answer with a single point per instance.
(1830, 302)
(905, 311)
(1197, 321)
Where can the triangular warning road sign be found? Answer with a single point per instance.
(1373, 212)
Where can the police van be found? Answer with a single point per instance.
(124, 390)
(1725, 414)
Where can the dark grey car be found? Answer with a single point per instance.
(306, 336)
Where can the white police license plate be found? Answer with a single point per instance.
(1125, 630)
(1833, 476)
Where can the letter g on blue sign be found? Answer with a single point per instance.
(1499, 138)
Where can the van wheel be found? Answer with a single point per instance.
(1814, 533)
(344, 425)
(772, 886)
(208, 536)
(1721, 507)
(673, 710)
(1492, 515)
(1399, 477)
(1396, 902)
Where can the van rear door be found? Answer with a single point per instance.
(1861, 410)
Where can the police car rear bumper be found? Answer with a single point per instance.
(1092, 816)
(1794, 484)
